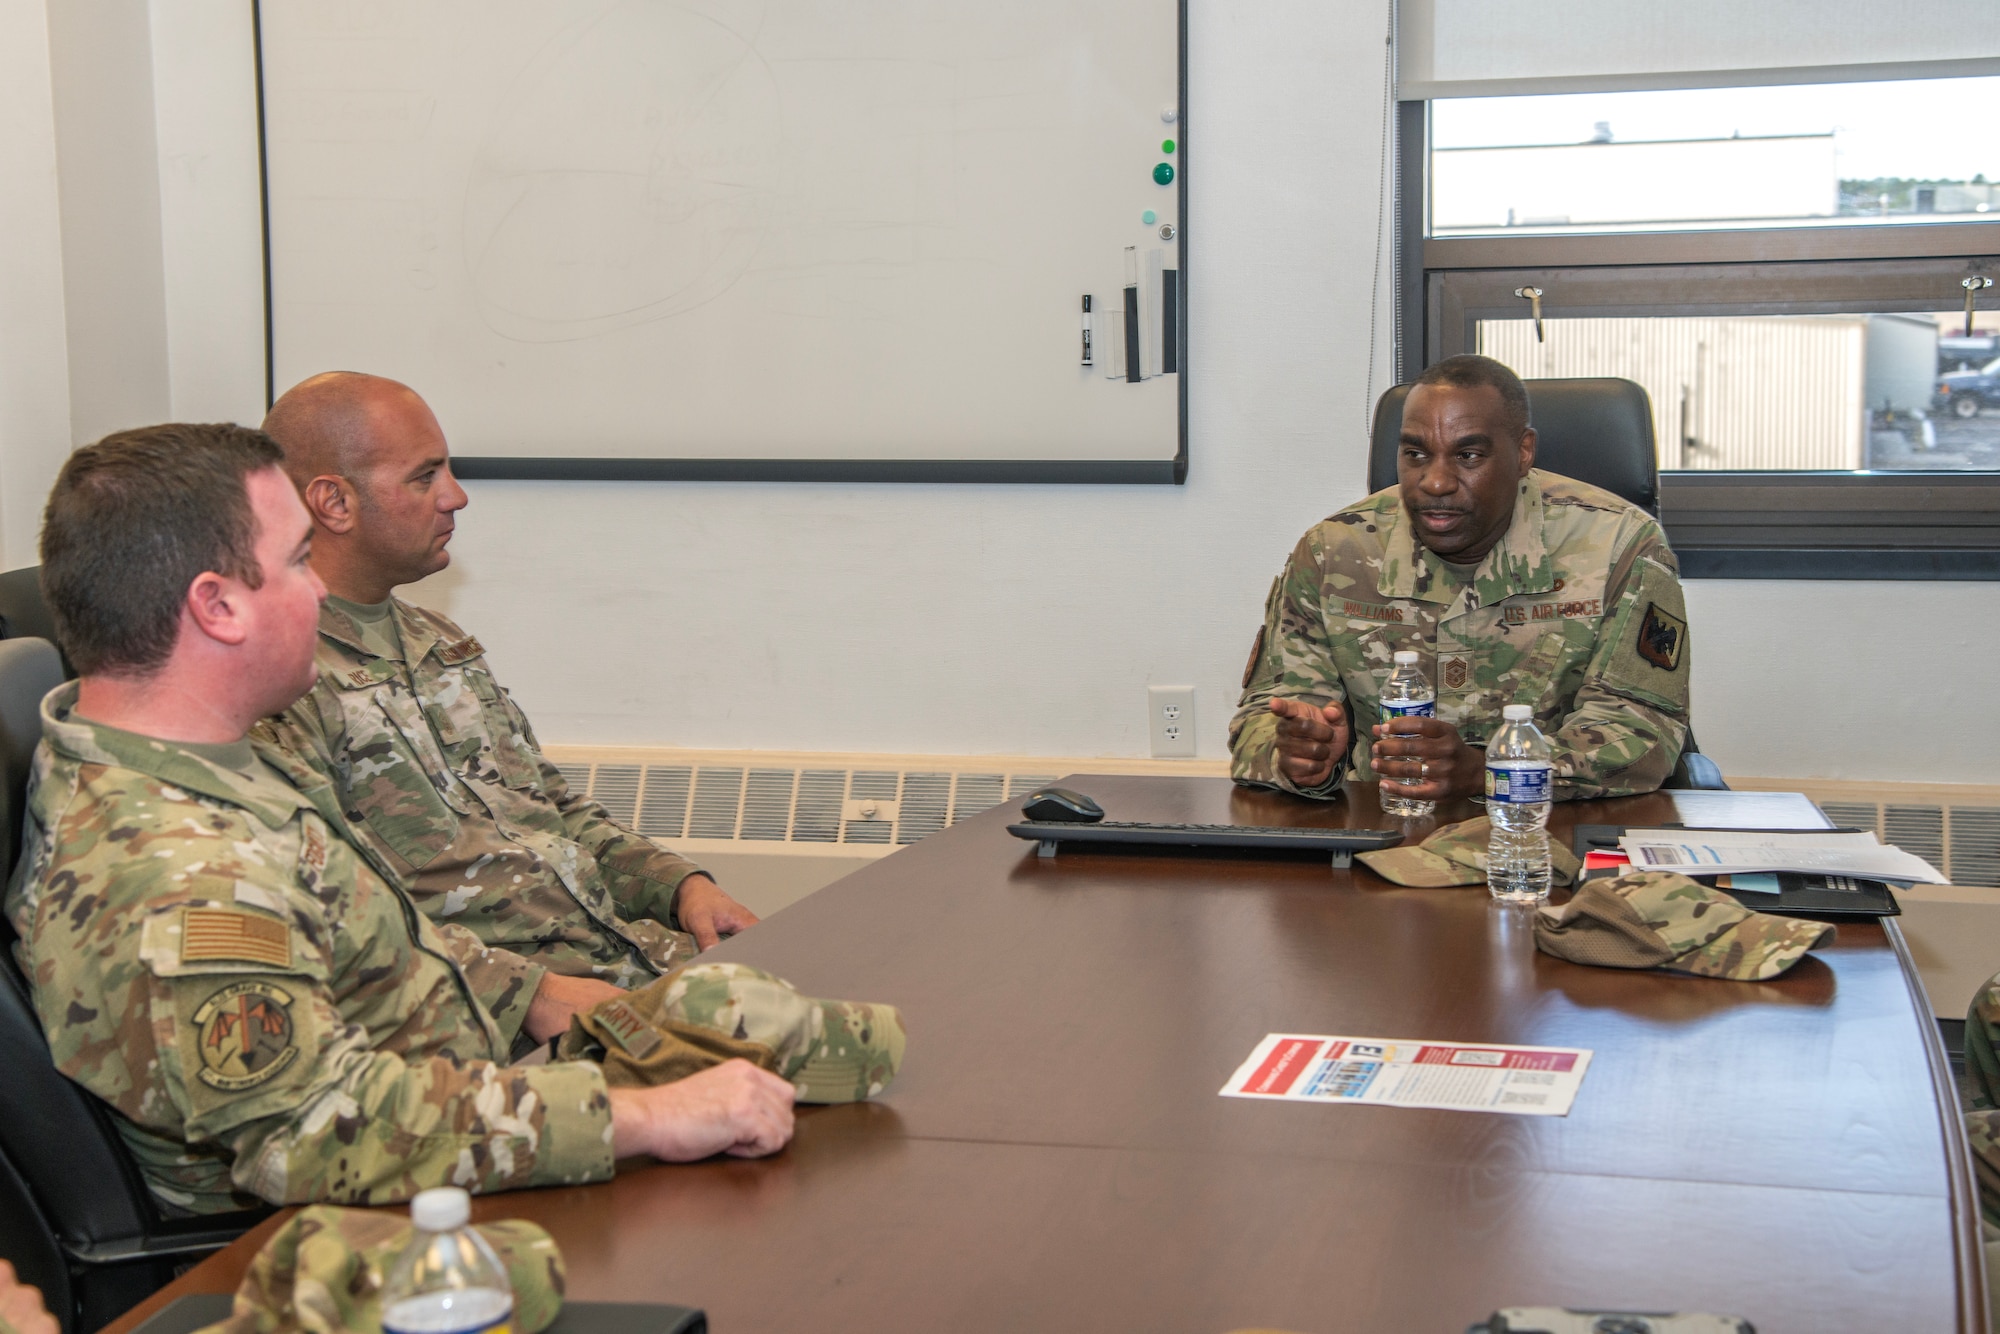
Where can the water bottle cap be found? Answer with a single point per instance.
(1517, 713)
(441, 1208)
(1406, 655)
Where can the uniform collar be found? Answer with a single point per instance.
(1519, 562)
(418, 635)
(88, 742)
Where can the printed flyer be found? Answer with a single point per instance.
(1395, 1072)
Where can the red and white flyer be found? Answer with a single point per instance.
(1396, 1072)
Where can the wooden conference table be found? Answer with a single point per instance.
(1055, 1155)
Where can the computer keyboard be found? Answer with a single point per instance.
(1341, 843)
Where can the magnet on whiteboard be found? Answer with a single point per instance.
(1166, 231)
(1169, 115)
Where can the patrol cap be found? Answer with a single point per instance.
(831, 1050)
(1455, 855)
(1661, 919)
(322, 1273)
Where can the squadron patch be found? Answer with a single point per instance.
(245, 1032)
(1256, 652)
(1661, 638)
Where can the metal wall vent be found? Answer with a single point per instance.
(1961, 841)
(855, 807)
(874, 804)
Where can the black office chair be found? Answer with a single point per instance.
(76, 1217)
(23, 612)
(1598, 431)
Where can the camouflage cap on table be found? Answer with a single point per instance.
(1659, 919)
(831, 1050)
(1455, 855)
(322, 1273)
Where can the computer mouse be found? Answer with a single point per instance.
(1059, 803)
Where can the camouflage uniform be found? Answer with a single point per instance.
(1577, 611)
(266, 1016)
(1982, 1122)
(437, 765)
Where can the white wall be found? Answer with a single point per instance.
(1029, 620)
(34, 354)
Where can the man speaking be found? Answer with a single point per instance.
(1514, 587)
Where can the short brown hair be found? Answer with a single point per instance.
(131, 523)
(1469, 370)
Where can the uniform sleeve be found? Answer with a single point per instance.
(1289, 658)
(1629, 719)
(643, 877)
(261, 1062)
(501, 981)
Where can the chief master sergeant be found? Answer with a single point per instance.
(1513, 585)
(210, 955)
(431, 757)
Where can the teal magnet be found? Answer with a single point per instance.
(1166, 145)
(1164, 173)
(1149, 217)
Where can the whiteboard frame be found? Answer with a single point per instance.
(474, 467)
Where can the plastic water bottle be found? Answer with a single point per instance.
(1407, 695)
(448, 1281)
(1519, 782)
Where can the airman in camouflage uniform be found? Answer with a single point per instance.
(437, 765)
(1577, 612)
(211, 957)
(432, 759)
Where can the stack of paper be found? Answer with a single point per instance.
(1719, 851)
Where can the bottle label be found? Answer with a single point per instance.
(1523, 785)
(1422, 708)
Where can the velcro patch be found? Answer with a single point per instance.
(463, 650)
(635, 1035)
(1256, 652)
(245, 1035)
(1661, 635)
(219, 933)
(1454, 671)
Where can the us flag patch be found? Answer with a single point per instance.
(209, 934)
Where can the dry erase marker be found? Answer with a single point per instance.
(1086, 331)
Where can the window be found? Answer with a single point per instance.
(1783, 269)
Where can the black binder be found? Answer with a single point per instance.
(1798, 895)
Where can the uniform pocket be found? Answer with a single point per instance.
(390, 779)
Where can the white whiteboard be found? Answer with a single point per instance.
(816, 232)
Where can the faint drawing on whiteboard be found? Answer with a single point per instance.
(632, 176)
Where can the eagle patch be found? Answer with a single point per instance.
(1662, 636)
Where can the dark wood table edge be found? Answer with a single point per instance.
(1969, 1252)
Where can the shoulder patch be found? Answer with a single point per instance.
(460, 650)
(209, 934)
(1661, 635)
(1256, 652)
(245, 1035)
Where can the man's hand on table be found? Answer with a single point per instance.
(1431, 751)
(1312, 741)
(558, 998)
(733, 1108)
(708, 914)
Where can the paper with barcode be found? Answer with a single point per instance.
(1396, 1072)
(1716, 852)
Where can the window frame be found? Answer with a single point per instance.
(1742, 525)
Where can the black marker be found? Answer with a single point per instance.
(1086, 331)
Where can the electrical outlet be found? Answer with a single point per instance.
(1170, 718)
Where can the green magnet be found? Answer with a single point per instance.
(1149, 217)
(1164, 173)
(1166, 145)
